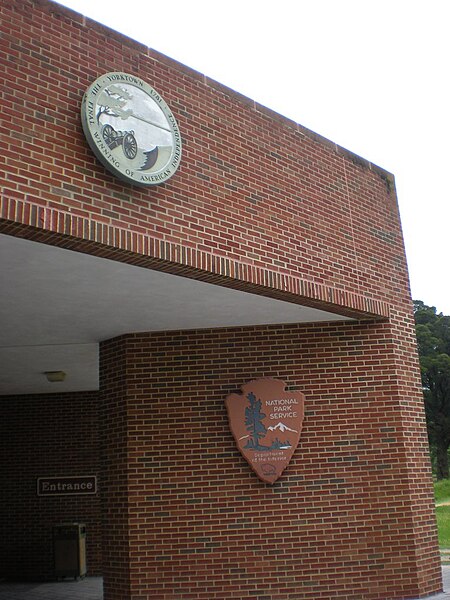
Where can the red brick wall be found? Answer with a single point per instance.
(115, 447)
(46, 436)
(262, 204)
(252, 186)
(343, 521)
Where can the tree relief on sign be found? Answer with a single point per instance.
(266, 422)
(130, 129)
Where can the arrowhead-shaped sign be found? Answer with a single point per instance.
(266, 422)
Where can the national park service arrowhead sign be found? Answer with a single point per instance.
(266, 422)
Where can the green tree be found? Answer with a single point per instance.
(254, 421)
(433, 338)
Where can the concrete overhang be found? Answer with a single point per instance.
(56, 305)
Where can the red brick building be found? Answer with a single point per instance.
(270, 252)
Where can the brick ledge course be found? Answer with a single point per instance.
(65, 230)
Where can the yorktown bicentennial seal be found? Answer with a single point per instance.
(131, 129)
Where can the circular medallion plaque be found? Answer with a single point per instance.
(131, 129)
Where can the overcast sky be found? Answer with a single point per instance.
(372, 76)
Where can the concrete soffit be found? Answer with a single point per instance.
(61, 295)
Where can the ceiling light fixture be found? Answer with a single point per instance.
(55, 376)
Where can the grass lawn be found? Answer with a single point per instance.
(442, 494)
(443, 524)
(442, 491)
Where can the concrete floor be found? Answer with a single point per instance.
(91, 588)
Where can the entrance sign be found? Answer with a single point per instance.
(66, 486)
(266, 422)
(131, 129)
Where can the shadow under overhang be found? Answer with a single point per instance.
(56, 305)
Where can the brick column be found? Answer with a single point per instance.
(187, 518)
(114, 485)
